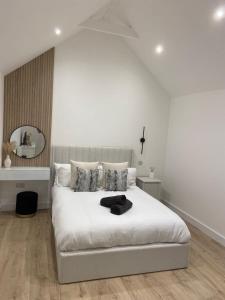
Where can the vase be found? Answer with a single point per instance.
(7, 162)
(151, 175)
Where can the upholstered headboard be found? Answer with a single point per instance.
(63, 154)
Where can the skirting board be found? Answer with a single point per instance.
(195, 222)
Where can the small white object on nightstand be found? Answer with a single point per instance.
(150, 186)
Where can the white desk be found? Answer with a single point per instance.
(24, 173)
(18, 179)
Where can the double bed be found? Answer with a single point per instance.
(92, 243)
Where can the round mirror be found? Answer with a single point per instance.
(29, 140)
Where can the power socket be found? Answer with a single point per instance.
(20, 185)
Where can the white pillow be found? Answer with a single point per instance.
(131, 176)
(115, 166)
(100, 175)
(62, 174)
(82, 165)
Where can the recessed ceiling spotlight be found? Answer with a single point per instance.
(58, 31)
(219, 14)
(159, 49)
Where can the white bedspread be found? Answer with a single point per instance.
(81, 223)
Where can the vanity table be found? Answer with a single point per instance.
(17, 179)
(25, 173)
(28, 143)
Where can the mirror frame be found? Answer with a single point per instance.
(35, 128)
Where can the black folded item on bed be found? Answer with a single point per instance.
(109, 201)
(119, 204)
(118, 209)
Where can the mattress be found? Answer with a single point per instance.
(80, 223)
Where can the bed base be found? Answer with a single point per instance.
(120, 261)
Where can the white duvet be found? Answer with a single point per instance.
(81, 223)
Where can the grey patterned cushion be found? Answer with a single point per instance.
(87, 180)
(116, 180)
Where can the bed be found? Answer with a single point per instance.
(91, 243)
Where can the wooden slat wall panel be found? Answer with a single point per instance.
(28, 93)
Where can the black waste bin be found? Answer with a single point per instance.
(26, 204)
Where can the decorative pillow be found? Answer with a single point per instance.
(62, 174)
(131, 176)
(112, 166)
(87, 180)
(116, 180)
(82, 165)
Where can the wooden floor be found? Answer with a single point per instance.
(28, 269)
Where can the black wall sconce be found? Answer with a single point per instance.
(142, 140)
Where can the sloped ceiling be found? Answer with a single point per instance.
(194, 58)
(27, 26)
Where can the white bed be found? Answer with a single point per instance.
(83, 228)
(92, 243)
(80, 223)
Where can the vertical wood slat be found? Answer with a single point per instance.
(28, 93)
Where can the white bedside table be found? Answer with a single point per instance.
(150, 186)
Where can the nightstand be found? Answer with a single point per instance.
(150, 186)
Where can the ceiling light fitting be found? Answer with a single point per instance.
(219, 14)
(159, 49)
(58, 31)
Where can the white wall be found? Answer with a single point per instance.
(1, 113)
(103, 95)
(195, 163)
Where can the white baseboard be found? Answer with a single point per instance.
(195, 222)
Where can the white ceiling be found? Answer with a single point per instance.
(27, 26)
(194, 58)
